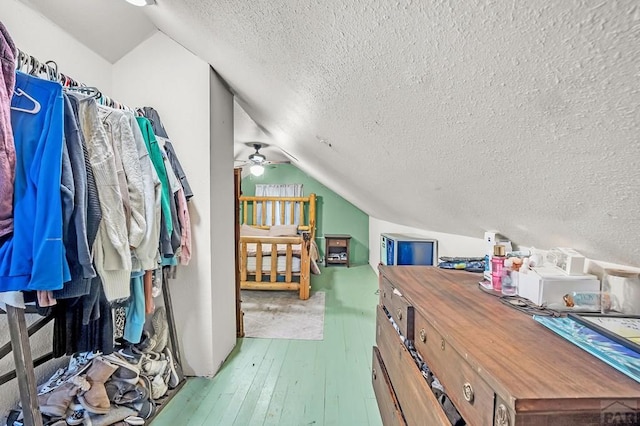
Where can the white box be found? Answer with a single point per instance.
(568, 260)
(548, 285)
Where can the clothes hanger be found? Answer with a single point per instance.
(88, 90)
(32, 65)
(22, 60)
(36, 104)
(52, 70)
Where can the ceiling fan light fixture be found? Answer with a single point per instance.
(257, 158)
(257, 170)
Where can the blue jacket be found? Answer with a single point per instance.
(34, 257)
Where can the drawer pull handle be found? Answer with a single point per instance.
(423, 335)
(467, 391)
(442, 344)
(399, 312)
(502, 416)
(374, 374)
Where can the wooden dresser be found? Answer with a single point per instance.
(496, 364)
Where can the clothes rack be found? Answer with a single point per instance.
(49, 69)
(24, 363)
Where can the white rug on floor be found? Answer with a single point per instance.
(282, 315)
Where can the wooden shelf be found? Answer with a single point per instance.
(336, 249)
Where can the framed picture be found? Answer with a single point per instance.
(623, 329)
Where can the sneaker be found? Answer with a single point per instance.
(77, 415)
(153, 368)
(145, 408)
(158, 387)
(144, 344)
(128, 354)
(15, 418)
(160, 329)
(54, 382)
(174, 377)
(134, 420)
(126, 371)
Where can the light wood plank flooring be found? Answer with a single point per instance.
(295, 382)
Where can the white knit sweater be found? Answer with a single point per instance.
(147, 254)
(120, 134)
(112, 256)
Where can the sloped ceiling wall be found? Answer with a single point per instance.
(456, 117)
(452, 116)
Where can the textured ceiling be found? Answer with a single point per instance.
(451, 116)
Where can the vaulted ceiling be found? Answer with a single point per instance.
(451, 116)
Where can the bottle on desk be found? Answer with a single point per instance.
(497, 264)
(508, 283)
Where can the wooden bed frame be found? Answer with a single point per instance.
(273, 279)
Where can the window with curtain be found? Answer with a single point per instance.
(279, 190)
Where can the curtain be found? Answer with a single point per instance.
(279, 190)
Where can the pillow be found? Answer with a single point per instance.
(283, 231)
(250, 231)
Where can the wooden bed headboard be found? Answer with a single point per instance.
(306, 207)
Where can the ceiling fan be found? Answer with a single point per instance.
(257, 161)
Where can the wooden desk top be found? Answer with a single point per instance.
(528, 365)
(337, 236)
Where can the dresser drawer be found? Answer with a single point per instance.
(387, 401)
(337, 243)
(399, 308)
(417, 402)
(469, 393)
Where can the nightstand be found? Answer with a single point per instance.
(336, 249)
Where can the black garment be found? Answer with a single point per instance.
(178, 170)
(71, 336)
(81, 281)
(158, 129)
(156, 124)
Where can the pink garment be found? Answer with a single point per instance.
(185, 222)
(7, 148)
(46, 299)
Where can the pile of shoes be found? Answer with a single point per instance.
(119, 388)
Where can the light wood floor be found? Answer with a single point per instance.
(295, 382)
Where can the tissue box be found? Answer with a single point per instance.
(548, 285)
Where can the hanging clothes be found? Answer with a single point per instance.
(112, 255)
(160, 132)
(120, 134)
(181, 236)
(33, 258)
(158, 163)
(174, 187)
(147, 254)
(75, 238)
(7, 149)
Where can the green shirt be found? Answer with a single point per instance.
(158, 163)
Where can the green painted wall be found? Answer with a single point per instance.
(335, 215)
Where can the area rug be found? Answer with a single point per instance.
(282, 315)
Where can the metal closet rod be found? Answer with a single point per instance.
(32, 66)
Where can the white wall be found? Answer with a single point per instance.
(222, 216)
(448, 244)
(36, 35)
(162, 74)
